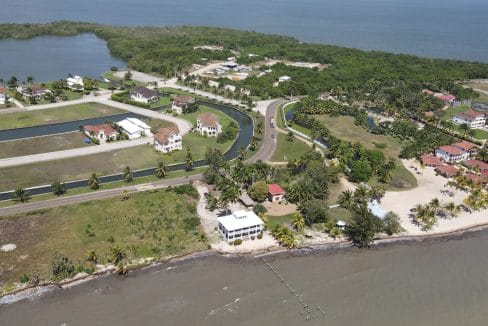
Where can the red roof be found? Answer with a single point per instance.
(470, 115)
(464, 145)
(275, 189)
(163, 134)
(97, 128)
(447, 170)
(446, 97)
(485, 174)
(2, 90)
(476, 163)
(430, 160)
(476, 178)
(452, 150)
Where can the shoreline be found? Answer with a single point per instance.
(34, 292)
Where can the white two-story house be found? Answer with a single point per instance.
(168, 139)
(474, 119)
(143, 95)
(208, 124)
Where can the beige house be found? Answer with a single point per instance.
(208, 124)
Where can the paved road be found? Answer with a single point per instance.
(95, 195)
(75, 152)
(270, 138)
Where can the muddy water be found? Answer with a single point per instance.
(432, 283)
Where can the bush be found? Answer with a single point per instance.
(186, 189)
(237, 242)
(260, 235)
(61, 267)
(258, 191)
(259, 209)
(114, 68)
(253, 237)
(24, 278)
(190, 223)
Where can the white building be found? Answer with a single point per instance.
(168, 139)
(102, 133)
(284, 79)
(75, 83)
(240, 225)
(3, 98)
(451, 154)
(474, 119)
(33, 91)
(143, 95)
(208, 124)
(134, 128)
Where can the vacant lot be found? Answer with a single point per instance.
(286, 150)
(344, 128)
(54, 115)
(151, 224)
(192, 117)
(43, 144)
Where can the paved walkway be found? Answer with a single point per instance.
(75, 152)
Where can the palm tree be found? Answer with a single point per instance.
(452, 208)
(464, 127)
(290, 137)
(30, 79)
(128, 177)
(298, 221)
(346, 199)
(21, 195)
(161, 170)
(189, 159)
(93, 182)
(58, 188)
(435, 204)
(377, 193)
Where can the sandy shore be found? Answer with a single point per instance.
(429, 187)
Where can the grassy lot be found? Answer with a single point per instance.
(54, 115)
(150, 224)
(43, 144)
(451, 112)
(482, 99)
(344, 128)
(279, 220)
(478, 85)
(192, 117)
(339, 213)
(286, 150)
(157, 124)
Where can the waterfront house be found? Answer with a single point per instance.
(168, 139)
(75, 83)
(180, 102)
(32, 91)
(208, 124)
(476, 165)
(468, 147)
(476, 179)
(102, 133)
(474, 119)
(240, 225)
(447, 171)
(275, 193)
(430, 160)
(3, 98)
(134, 128)
(143, 95)
(452, 154)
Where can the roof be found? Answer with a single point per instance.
(341, 223)
(246, 200)
(181, 100)
(375, 209)
(275, 189)
(476, 178)
(98, 128)
(445, 97)
(133, 125)
(451, 150)
(2, 90)
(285, 78)
(208, 119)
(476, 164)
(144, 91)
(470, 115)
(138, 123)
(447, 170)
(239, 220)
(428, 159)
(163, 134)
(465, 145)
(427, 91)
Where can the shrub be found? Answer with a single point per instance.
(24, 278)
(186, 189)
(260, 235)
(258, 191)
(237, 242)
(259, 208)
(61, 267)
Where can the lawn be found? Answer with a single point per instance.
(279, 220)
(55, 115)
(286, 151)
(192, 117)
(344, 128)
(42, 144)
(151, 224)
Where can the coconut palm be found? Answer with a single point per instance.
(21, 195)
(346, 199)
(161, 170)
(298, 221)
(377, 193)
(128, 177)
(189, 159)
(452, 209)
(94, 182)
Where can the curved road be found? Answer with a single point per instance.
(264, 154)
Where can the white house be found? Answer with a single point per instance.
(75, 83)
(474, 119)
(208, 124)
(240, 225)
(284, 79)
(179, 102)
(451, 154)
(33, 91)
(143, 95)
(102, 132)
(168, 139)
(134, 128)
(3, 98)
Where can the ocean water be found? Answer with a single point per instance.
(432, 28)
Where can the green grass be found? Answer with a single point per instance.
(55, 115)
(451, 112)
(150, 224)
(286, 151)
(339, 213)
(192, 117)
(482, 99)
(279, 220)
(43, 144)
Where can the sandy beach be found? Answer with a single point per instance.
(429, 187)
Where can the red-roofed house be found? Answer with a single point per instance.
(476, 178)
(275, 193)
(168, 139)
(445, 97)
(471, 148)
(474, 119)
(101, 133)
(430, 160)
(476, 164)
(452, 154)
(2, 95)
(447, 171)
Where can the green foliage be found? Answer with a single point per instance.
(391, 224)
(229, 132)
(258, 191)
(237, 242)
(186, 189)
(259, 209)
(58, 188)
(116, 254)
(190, 223)
(94, 182)
(21, 195)
(61, 267)
(314, 211)
(361, 171)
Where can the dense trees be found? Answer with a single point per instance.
(258, 191)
